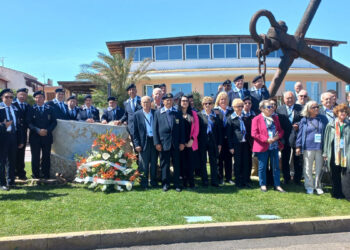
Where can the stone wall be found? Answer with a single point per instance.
(71, 138)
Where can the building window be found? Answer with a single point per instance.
(313, 90)
(248, 50)
(267, 84)
(224, 50)
(211, 88)
(322, 49)
(275, 54)
(186, 88)
(148, 90)
(197, 51)
(140, 53)
(172, 52)
(334, 86)
(289, 86)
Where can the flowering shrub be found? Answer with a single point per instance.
(107, 166)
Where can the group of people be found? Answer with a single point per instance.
(232, 129)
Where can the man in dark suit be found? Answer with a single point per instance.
(12, 139)
(289, 116)
(23, 108)
(131, 105)
(88, 112)
(58, 105)
(41, 121)
(258, 93)
(113, 112)
(238, 91)
(227, 87)
(73, 110)
(169, 139)
(143, 141)
(209, 141)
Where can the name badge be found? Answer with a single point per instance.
(270, 134)
(317, 138)
(177, 121)
(341, 143)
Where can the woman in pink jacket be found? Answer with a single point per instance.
(191, 124)
(267, 131)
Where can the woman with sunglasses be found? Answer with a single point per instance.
(267, 132)
(191, 124)
(210, 141)
(238, 143)
(309, 143)
(223, 111)
(336, 150)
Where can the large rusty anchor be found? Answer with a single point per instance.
(292, 47)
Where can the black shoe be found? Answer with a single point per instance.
(248, 185)
(4, 188)
(205, 184)
(23, 178)
(178, 189)
(165, 188)
(215, 185)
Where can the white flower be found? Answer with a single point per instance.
(89, 159)
(127, 171)
(128, 186)
(122, 161)
(120, 154)
(98, 156)
(93, 185)
(106, 156)
(119, 188)
(104, 188)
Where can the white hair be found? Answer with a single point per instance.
(145, 98)
(306, 109)
(287, 92)
(155, 90)
(324, 94)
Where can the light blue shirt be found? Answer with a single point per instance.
(148, 122)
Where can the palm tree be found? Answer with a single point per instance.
(113, 69)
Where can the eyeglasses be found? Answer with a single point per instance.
(184, 100)
(273, 105)
(207, 103)
(8, 97)
(303, 96)
(238, 106)
(342, 111)
(268, 107)
(315, 107)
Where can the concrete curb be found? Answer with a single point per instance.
(181, 233)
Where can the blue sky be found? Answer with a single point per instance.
(55, 37)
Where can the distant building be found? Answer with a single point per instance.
(14, 79)
(201, 63)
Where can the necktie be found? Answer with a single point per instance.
(290, 115)
(132, 105)
(41, 110)
(62, 107)
(22, 106)
(241, 93)
(11, 119)
(88, 113)
(259, 92)
(114, 115)
(210, 124)
(170, 120)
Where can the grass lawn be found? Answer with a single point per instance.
(53, 209)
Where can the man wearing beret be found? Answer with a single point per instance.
(73, 109)
(258, 93)
(163, 88)
(41, 120)
(131, 105)
(169, 139)
(226, 86)
(58, 105)
(12, 139)
(238, 91)
(113, 112)
(88, 112)
(23, 108)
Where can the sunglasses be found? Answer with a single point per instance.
(268, 107)
(315, 107)
(8, 97)
(207, 103)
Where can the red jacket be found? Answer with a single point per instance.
(260, 134)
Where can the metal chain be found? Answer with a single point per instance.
(261, 60)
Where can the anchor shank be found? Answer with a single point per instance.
(307, 18)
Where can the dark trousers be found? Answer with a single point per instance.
(298, 168)
(225, 161)
(187, 165)
(148, 164)
(269, 173)
(336, 175)
(241, 164)
(20, 163)
(174, 154)
(43, 145)
(8, 155)
(209, 146)
(250, 164)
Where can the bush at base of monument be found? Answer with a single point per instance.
(108, 166)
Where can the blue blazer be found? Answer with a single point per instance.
(82, 115)
(168, 133)
(108, 114)
(140, 132)
(19, 130)
(129, 114)
(233, 94)
(74, 116)
(57, 110)
(256, 98)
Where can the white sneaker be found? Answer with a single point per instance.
(319, 191)
(310, 191)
